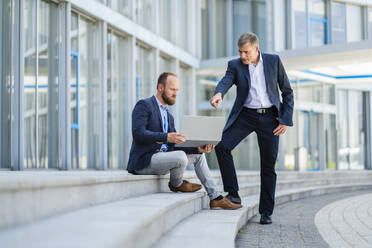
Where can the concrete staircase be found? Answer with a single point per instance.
(116, 209)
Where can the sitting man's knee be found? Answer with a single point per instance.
(182, 159)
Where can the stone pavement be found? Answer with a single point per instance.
(347, 223)
(294, 223)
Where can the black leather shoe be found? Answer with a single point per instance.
(265, 219)
(234, 199)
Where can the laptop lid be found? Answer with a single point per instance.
(202, 130)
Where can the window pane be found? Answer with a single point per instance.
(299, 7)
(6, 11)
(259, 22)
(48, 85)
(184, 93)
(338, 23)
(241, 21)
(220, 28)
(183, 24)
(121, 6)
(144, 16)
(118, 98)
(354, 23)
(165, 8)
(30, 84)
(144, 70)
(85, 96)
(317, 33)
(317, 9)
(370, 23)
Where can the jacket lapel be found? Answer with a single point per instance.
(245, 70)
(266, 64)
(157, 112)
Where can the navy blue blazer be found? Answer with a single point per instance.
(147, 131)
(238, 73)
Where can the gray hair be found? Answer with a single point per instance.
(248, 37)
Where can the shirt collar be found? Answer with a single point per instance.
(260, 60)
(161, 105)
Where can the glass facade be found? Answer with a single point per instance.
(338, 23)
(145, 82)
(370, 23)
(84, 92)
(165, 14)
(354, 24)
(121, 6)
(118, 99)
(330, 122)
(241, 21)
(300, 23)
(41, 85)
(144, 13)
(351, 141)
(6, 76)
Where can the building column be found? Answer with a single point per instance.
(17, 50)
(368, 129)
(102, 156)
(193, 94)
(64, 88)
(198, 30)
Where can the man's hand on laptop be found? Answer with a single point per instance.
(206, 148)
(216, 100)
(176, 138)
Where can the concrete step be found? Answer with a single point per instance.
(211, 228)
(135, 222)
(32, 195)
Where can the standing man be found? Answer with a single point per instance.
(153, 149)
(257, 108)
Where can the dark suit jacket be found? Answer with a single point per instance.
(147, 130)
(238, 73)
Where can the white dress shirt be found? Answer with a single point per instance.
(257, 97)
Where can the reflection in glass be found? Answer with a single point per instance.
(84, 93)
(220, 28)
(338, 23)
(299, 7)
(29, 109)
(41, 129)
(121, 6)
(117, 101)
(144, 70)
(144, 16)
(6, 62)
(259, 22)
(370, 23)
(241, 19)
(165, 15)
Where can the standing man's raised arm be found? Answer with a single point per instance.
(223, 86)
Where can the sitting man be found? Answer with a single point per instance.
(153, 149)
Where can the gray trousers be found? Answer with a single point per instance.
(175, 163)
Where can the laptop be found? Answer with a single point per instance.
(202, 130)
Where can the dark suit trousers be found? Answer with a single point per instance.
(263, 124)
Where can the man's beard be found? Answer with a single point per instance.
(169, 101)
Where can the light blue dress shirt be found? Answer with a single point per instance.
(164, 120)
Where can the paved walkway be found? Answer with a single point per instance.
(347, 223)
(294, 222)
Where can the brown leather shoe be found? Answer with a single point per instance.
(185, 187)
(223, 204)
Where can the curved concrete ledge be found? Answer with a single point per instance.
(347, 223)
(219, 228)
